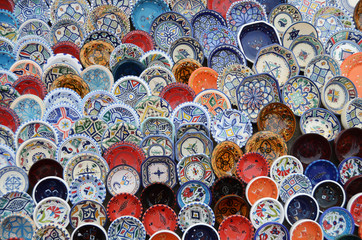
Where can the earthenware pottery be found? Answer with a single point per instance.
(252, 165)
(293, 184)
(301, 206)
(261, 187)
(124, 204)
(127, 227)
(194, 213)
(329, 193)
(230, 205)
(193, 191)
(159, 217)
(87, 211)
(266, 210)
(130, 180)
(320, 170)
(52, 210)
(283, 166)
(158, 169)
(349, 168)
(335, 222)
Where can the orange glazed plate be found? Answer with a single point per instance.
(203, 78)
(351, 68)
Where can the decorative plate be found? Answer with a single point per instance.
(201, 229)
(329, 193)
(84, 164)
(298, 29)
(33, 150)
(66, 48)
(320, 170)
(128, 67)
(152, 106)
(194, 213)
(7, 136)
(305, 48)
(52, 210)
(160, 169)
(50, 187)
(334, 10)
(261, 187)
(193, 191)
(277, 61)
(7, 77)
(127, 228)
(306, 228)
(62, 95)
(144, 12)
(124, 153)
(49, 230)
(214, 36)
(272, 230)
(71, 81)
(191, 128)
(293, 184)
(189, 112)
(130, 180)
(311, 146)
(251, 165)
(321, 69)
(119, 112)
(157, 145)
(44, 168)
(177, 93)
(193, 143)
(90, 230)
(283, 15)
(241, 13)
(87, 211)
(104, 35)
(254, 36)
(16, 202)
(165, 234)
(158, 193)
(157, 57)
(140, 38)
(157, 78)
(67, 9)
(159, 217)
(206, 19)
(30, 85)
(300, 94)
(350, 116)
(343, 34)
(321, 121)
(349, 167)
(87, 187)
(343, 49)
(279, 118)
(183, 69)
(7, 59)
(336, 221)
(225, 186)
(25, 10)
(9, 31)
(224, 55)
(8, 5)
(26, 67)
(98, 77)
(96, 52)
(188, 8)
(124, 51)
(326, 24)
(350, 68)
(266, 210)
(301, 206)
(64, 58)
(224, 158)
(9, 118)
(6, 45)
(283, 166)
(13, 178)
(62, 117)
(8, 94)
(17, 226)
(124, 204)
(195, 167)
(168, 27)
(92, 127)
(35, 49)
(28, 107)
(186, 47)
(158, 126)
(94, 102)
(354, 208)
(230, 228)
(67, 30)
(214, 100)
(230, 205)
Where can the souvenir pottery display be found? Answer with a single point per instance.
(180, 119)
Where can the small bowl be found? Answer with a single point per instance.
(348, 143)
(157, 193)
(252, 165)
(283, 166)
(193, 191)
(266, 210)
(335, 222)
(301, 206)
(353, 186)
(311, 146)
(320, 170)
(349, 168)
(272, 230)
(200, 229)
(165, 234)
(159, 217)
(50, 187)
(124, 204)
(293, 184)
(261, 187)
(44, 168)
(306, 229)
(329, 194)
(229, 228)
(354, 207)
(230, 205)
(320, 121)
(279, 118)
(351, 114)
(226, 186)
(94, 231)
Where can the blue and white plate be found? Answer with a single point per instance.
(7, 136)
(64, 58)
(98, 77)
(16, 202)
(123, 179)
(52, 72)
(298, 29)
(188, 8)
(28, 107)
(13, 178)
(17, 226)
(92, 127)
(193, 191)
(127, 228)
(350, 116)
(78, 11)
(190, 128)
(231, 125)
(159, 169)
(186, 47)
(293, 184)
(157, 57)
(157, 77)
(87, 187)
(124, 51)
(67, 30)
(194, 213)
(193, 143)
(341, 35)
(283, 15)
(50, 187)
(119, 112)
(157, 145)
(190, 112)
(7, 156)
(94, 102)
(204, 20)
(25, 10)
(36, 49)
(62, 95)
(158, 126)
(224, 55)
(335, 222)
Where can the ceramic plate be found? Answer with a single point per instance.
(224, 55)
(153, 106)
(354, 209)
(28, 107)
(124, 204)
(261, 187)
(7, 136)
(336, 221)
(98, 77)
(157, 77)
(13, 178)
(62, 95)
(49, 230)
(230, 205)
(90, 126)
(157, 57)
(283, 166)
(206, 19)
(87, 187)
(343, 49)
(8, 94)
(17, 226)
(193, 143)
(50, 187)
(272, 230)
(186, 47)
(140, 38)
(44, 168)
(188, 8)
(52, 72)
(306, 228)
(90, 229)
(214, 100)
(293, 184)
(320, 170)
(298, 29)
(229, 227)
(30, 85)
(194, 213)
(159, 217)
(124, 51)
(251, 165)
(305, 48)
(225, 186)
(190, 112)
(9, 118)
(96, 52)
(158, 126)
(266, 210)
(25, 10)
(193, 191)
(203, 78)
(87, 211)
(158, 193)
(301, 206)
(127, 227)
(130, 180)
(283, 15)
(52, 210)
(349, 167)
(159, 169)
(71, 81)
(158, 145)
(119, 112)
(350, 68)
(94, 102)
(349, 116)
(329, 193)
(35, 49)
(190, 128)
(67, 30)
(183, 69)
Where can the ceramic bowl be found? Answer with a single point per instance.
(354, 207)
(200, 229)
(306, 228)
(157, 193)
(272, 230)
(124, 204)
(159, 217)
(165, 234)
(225, 186)
(335, 222)
(348, 143)
(44, 168)
(229, 228)
(311, 146)
(320, 170)
(328, 194)
(94, 231)
(261, 187)
(353, 186)
(266, 210)
(279, 118)
(301, 206)
(251, 165)
(321, 121)
(351, 114)
(283, 166)
(230, 205)
(349, 168)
